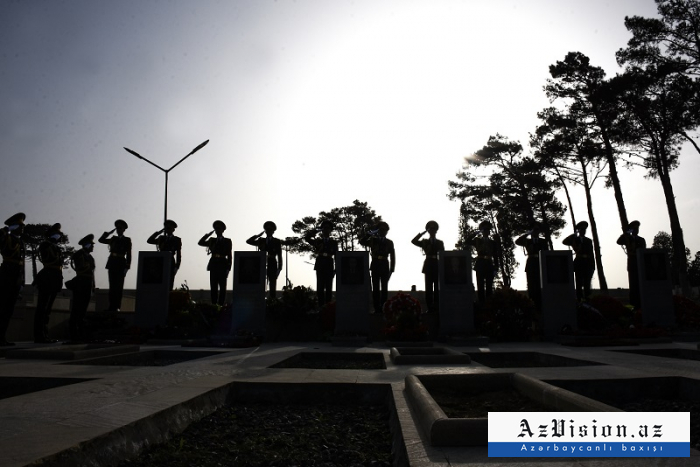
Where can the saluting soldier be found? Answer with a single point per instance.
(632, 242)
(49, 281)
(431, 246)
(166, 240)
(83, 285)
(383, 263)
(11, 270)
(325, 249)
(221, 251)
(119, 262)
(533, 244)
(584, 263)
(488, 252)
(273, 247)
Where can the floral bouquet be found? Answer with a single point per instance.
(402, 315)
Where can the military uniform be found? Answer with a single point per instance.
(221, 250)
(49, 281)
(488, 251)
(325, 249)
(167, 241)
(381, 249)
(431, 248)
(632, 243)
(273, 248)
(533, 245)
(11, 270)
(84, 283)
(584, 262)
(118, 263)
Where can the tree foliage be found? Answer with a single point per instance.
(512, 191)
(350, 223)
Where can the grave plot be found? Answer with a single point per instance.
(148, 358)
(452, 410)
(334, 361)
(72, 352)
(427, 356)
(655, 394)
(682, 354)
(12, 386)
(525, 360)
(253, 423)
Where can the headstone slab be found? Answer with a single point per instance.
(456, 304)
(152, 289)
(248, 292)
(558, 292)
(352, 293)
(655, 287)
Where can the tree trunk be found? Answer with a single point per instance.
(602, 282)
(614, 177)
(676, 230)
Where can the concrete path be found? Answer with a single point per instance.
(39, 425)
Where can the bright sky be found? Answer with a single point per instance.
(307, 104)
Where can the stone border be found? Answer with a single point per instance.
(72, 352)
(128, 441)
(444, 431)
(427, 356)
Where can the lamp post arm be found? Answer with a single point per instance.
(144, 159)
(188, 155)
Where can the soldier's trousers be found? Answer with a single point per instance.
(9, 289)
(583, 276)
(324, 286)
(380, 283)
(116, 288)
(79, 306)
(432, 294)
(217, 282)
(484, 278)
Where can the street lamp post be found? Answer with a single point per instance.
(165, 215)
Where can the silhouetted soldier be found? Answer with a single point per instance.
(533, 244)
(166, 240)
(11, 270)
(431, 246)
(221, 250)
(325, 249)
(488, 252)
(632, 242)
(383, 263)
(584, 263)
(273, 248)
(118, 263)
(84, 283)
(49, 281)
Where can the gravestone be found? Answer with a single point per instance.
(248, 293)
(558, 292)
(456, 305)
(152, 289)
(352, 293)
(655, 287)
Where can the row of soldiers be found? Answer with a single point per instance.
(584, 261)
(49, 281)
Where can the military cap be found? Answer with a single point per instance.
(219, 225)
(582, 225)
(54, 229)
(86, 240)
(432, 224)
(485, 225)
(269, 225)
(121, 223)
(17, 219)
(170, 223)
(634, 224)
(383, 225)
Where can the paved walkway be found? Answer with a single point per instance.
(39, 425)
